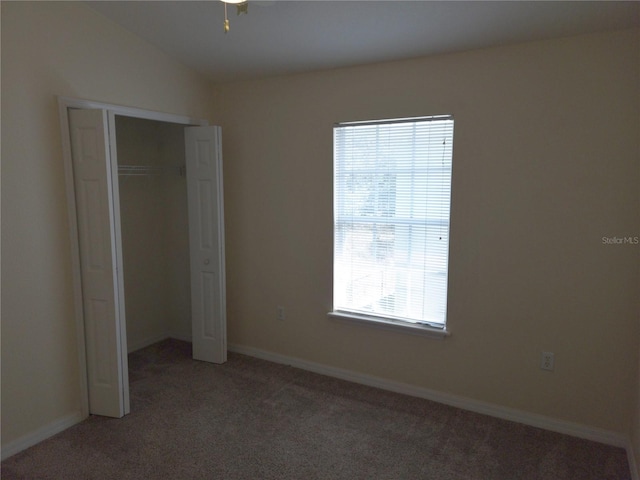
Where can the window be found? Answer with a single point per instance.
(392, 191)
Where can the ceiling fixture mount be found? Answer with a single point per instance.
(242, 6)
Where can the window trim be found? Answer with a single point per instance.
(429, 118)
(382, 323)
(376, 320)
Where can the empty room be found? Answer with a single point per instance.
(320, 240)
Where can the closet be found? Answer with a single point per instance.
(145, 198)
(154, 228)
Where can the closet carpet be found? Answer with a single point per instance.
(252, 419)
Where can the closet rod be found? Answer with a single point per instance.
(136, 170)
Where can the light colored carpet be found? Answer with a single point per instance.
(252, 419)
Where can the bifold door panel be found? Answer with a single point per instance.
(206, 242)
(106, 366)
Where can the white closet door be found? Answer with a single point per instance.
(104, 332)
(206, 242)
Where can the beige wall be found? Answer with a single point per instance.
(51, 49)
(176, 218)
(545, 164)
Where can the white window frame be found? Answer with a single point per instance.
(347, 310)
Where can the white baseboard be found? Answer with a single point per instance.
(505, 413)
(177, 336)
(41, 434)
(145, 342)
(155, 339)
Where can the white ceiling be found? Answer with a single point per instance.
(278, 37)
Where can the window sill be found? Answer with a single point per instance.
(396, 326)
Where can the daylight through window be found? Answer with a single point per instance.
(392, 196)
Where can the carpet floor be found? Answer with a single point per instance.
(252, 419)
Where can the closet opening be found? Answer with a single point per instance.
(145, 197)
(154, 225)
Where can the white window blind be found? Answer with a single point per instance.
(392, 191)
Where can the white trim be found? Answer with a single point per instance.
(145, 342)
(396, 326)
(178, 336)
(69, 102)
(64, 104)
(505, 413)
(41, 434)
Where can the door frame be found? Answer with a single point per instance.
(64, 104)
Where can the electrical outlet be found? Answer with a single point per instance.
(280, 313)
(546, 362)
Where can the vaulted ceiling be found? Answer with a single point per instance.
(279, 37)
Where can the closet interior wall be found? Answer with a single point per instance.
(154, 229)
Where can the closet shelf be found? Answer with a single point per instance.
(137, 170)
